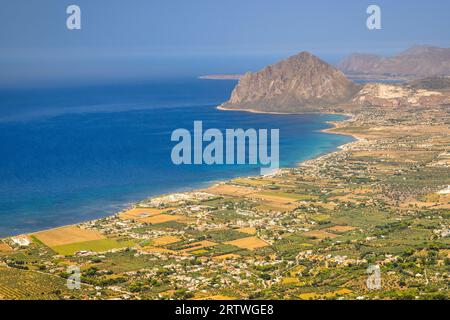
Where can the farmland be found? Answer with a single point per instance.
(309, 232)
(100, 245)
(67, 235)
(25, 285)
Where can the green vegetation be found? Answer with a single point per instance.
(306, 233)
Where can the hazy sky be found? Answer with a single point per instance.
(150, 37)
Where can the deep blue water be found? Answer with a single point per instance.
(74, 154)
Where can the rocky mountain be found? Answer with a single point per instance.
(299, 84)
(418, 61)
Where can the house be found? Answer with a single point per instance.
(21, 241)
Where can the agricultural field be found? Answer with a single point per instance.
(161, 218)
(165, 240)
(67, 235)
(101, 245)
(230, 190)
(4, 248)
(306, 233)
(250, 243)
(16, 284)
(140, 214)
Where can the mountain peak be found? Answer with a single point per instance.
(301, 82)
(303, 55)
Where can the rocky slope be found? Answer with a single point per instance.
(383, 95)
(418, 61)
(301, 83)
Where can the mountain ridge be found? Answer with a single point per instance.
(418, 61)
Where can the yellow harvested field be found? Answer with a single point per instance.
(152, 249)
(319, 234)
(229, 190)
(161, 218)
(168, 293)
(353, 198)
(282, 197)
(162, 241)
(219, 297)
(67, 235)
(420, 204)
(341, 229)
(320, 217)
(291, 281)
(141, 213)
(333, 294)
(250, 243)
(254, 182)
(276, 201)
(249, 230)
(272, 198)
(228, 256)
(5, 248)
(186, 220)
(204, 296)
(201, 251)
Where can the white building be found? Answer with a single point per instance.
(21, 241)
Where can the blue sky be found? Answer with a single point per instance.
(152, 37)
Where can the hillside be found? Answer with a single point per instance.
(418, 61)
(299, 84)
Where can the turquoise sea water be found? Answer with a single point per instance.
(74, 154)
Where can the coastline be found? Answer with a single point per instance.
(222, 108)
(334, 125)
(350, 115)
(314, 212)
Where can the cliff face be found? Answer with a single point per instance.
(301, 83)
(418, 61)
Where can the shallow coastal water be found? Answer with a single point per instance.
(70, 155)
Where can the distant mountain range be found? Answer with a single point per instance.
(299, 83)
(418, 62)
(304, 83)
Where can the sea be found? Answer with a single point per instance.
(72, 154)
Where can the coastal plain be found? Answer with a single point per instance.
(308, 232)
